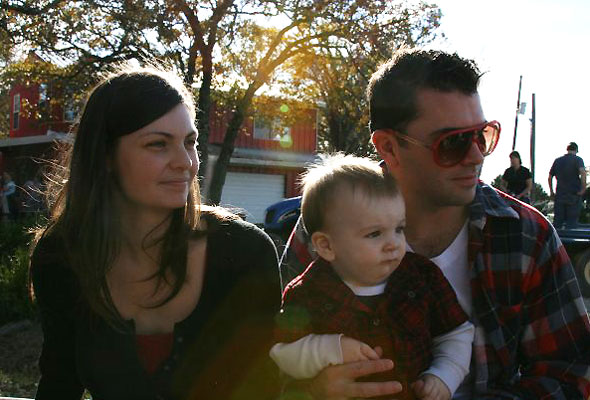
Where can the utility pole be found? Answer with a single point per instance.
(516, 116)
(533, 147)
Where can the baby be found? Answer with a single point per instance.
(365, 297)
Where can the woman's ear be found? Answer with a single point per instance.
(323, 246)
(386, 146)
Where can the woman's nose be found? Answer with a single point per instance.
(181, 158)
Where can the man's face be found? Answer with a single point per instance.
(420, 178)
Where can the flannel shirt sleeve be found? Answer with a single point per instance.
(555, 341)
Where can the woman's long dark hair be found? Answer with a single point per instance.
(83, 213)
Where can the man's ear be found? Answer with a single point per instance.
(323, 245)
(386, 146)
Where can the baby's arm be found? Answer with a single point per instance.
(306, 357)
(451, 356)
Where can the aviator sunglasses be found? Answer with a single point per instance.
(452, 146)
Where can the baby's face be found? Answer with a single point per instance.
(366, 235)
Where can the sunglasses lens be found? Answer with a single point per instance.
(490, 135)
(453, 148)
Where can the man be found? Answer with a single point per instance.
(517, 180)
(509, 270)
(571, 185)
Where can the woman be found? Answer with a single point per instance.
(517, 180)
(143, 292)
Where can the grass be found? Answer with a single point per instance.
(19, 354)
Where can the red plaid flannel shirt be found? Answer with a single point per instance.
(532, 331)
(417, 305)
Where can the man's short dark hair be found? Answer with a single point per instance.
(392, 89)
(572, 147)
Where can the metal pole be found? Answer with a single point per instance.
(516, 116)
(533, 147)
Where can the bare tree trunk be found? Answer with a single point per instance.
(203, 112)
(227, 148)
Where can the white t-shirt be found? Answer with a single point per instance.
(454, 264)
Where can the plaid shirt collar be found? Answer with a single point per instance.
(488, 202)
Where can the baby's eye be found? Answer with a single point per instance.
(400, 229)
(373, 234)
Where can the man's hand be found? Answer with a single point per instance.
(354, 350)
(337, 382)
(430, 387)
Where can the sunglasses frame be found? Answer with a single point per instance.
(434, 146)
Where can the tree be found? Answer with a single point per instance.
(237, 44)
(337, 74)
(257, 52)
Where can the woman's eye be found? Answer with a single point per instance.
(157, 144)
(190, 142)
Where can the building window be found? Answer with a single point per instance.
(270, 130)
(69, 110)
(43, 101)
(42, 93)
(15, 111)
(70, 107)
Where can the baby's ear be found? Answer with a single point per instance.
(323, 245)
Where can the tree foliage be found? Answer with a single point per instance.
(313, 50)
(336, 74)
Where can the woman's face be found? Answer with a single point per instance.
(156, 164)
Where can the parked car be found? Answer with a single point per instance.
(577, 245)
(280, 218)
(576, 242)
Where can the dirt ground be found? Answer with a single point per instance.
(19, 353)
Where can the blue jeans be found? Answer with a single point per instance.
(567, 209)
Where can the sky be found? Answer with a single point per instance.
(544, 41)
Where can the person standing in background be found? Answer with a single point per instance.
(517, 180)
(571, 185)
(9, 194)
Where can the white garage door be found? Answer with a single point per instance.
(253, 193)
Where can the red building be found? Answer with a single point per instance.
(266, 162)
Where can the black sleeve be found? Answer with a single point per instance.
(56, 294)
(243, 295)
(527, 173)
(505, 175)
(257, 295)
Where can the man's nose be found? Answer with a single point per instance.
(474, 155)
